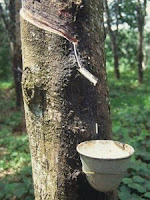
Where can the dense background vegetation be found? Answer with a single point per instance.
(130, 109)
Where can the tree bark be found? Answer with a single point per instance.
(113, 38)
(61, 106)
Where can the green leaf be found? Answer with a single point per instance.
(147, 195)
(124, 193)
(147, 185)
(2, 194)
(136, 197)
(32, 191)
(137, 187)
(10, 187)
(116, 128)
(138, 179)
(19, 192)
(127, 180)
(29, 198)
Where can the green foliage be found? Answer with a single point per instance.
(124, 14)
(127, 50)
(5, 65)
(17, 186)
(10, 117)
(130, 108)
(15, 166)
(147, 48)
(128, 13)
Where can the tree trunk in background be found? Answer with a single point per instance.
(61, 106)
(113, 39)
(140, 58)
(141, 13)
(5, 20)
(115, 55)
(14, 28)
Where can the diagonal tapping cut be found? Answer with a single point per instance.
(40, 22)
(44, 24)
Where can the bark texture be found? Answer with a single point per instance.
(61, 106)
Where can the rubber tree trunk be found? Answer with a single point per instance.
(14, 28)
(61, 106)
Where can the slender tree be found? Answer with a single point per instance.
(14, 9)
(113, 35)
(62, 107)
(11, 19)
(141, 13)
